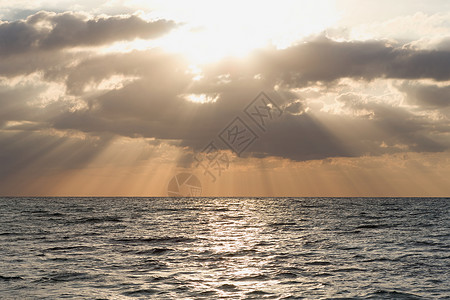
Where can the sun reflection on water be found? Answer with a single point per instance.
(233, 242)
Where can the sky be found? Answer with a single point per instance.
(225, 98)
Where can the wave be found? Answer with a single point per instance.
(10, 233)
(166, 239)
(283, 224)
(97, 220)
(44, 213)
(66, 276)
(257, 277)
(67, 248)
(286, 275)
(228, 287)
(258, 293)
(153, 251)
(10, 278)
(145, 266)
(318, 263)
(141, 292)
(243, 252)
(345, 270)
(375, 226)
(384, 294)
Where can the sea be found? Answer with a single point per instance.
(224, 248)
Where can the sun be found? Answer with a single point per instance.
(210, 30)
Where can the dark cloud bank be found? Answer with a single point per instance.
(154, 104)
(50, 31)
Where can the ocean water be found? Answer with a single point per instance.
(225, 248)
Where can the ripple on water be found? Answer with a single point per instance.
(211, 248)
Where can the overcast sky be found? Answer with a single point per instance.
(116, 97)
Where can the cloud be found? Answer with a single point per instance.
(395, 126)
(153, 65)
(153, 103)
(381, 128)
(428, 96)
(51, 31)
(326, 60)
(412, 27)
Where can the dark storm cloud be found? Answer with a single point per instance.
(156, 107)
(384, 129)
(50, 31)
(391, 125)
(297, 135)
(426, 95)
(16, 104)
(325, 60)
(154, 103)
(445, 44)
(50, 64)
